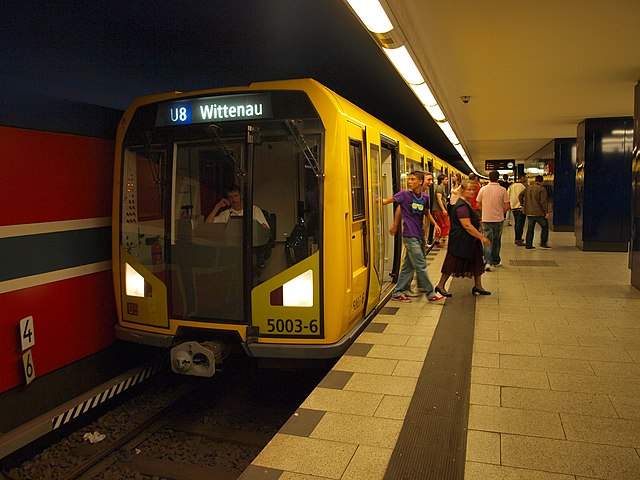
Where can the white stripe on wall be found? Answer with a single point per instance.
(52, 227)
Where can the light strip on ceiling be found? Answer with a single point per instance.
(372, 15)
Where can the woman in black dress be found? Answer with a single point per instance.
(464, 256)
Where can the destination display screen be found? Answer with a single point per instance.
(224, 108)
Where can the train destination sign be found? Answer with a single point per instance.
(223, 108)
(499, 165)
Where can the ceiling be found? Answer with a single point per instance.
(533, 70)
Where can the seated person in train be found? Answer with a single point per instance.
(231, 206)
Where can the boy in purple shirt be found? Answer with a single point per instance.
(414, 205)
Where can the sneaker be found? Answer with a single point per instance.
(437, 298)
(401, 298)
(520, 243)
(530, 248)
(411, 293)
(487, 268)
(498, 264)
(546, 247)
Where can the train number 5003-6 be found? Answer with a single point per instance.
(289, 325)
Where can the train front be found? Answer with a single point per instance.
(217, 230)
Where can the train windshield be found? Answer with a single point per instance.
(214, 209)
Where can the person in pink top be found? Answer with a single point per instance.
(493, 201)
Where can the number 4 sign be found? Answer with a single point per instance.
(27, 335)
(27, 340)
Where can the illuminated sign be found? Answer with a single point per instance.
(224, 108)
(499, 165)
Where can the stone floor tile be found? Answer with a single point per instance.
(487, 334)
(512, 348)
(594, 384)
(546, 338)
(379, 366)
(406, 368)
(358, 430)
(533, 317)
(610, 354)
(400, 319)
(512, 378)
(405, 330)
(505, 326)
(389, 385)
(546, 364)
(570, 458)
(515, 420)
(386, 338)
(485, 395)
(610, 431)
(627, 407)
(483, 447)
(419, 341)
(368, 462)
(393, 407)
(480, 359)
(298, 476)
(554, 401)
(343, 401)
(616, 369)
(487, 471)
(399, 353)
(321, 457)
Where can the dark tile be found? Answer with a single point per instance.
(389, 310)
(302, 422)
(335, 379)
(359, 349)
(375, 327)
(254, 472)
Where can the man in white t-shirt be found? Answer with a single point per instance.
(518, 215)
(233, 201)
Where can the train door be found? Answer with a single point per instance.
(358, 225)
(389, 185)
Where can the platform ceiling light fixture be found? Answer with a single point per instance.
(392, 42)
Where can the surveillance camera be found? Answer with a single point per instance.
(465, 98)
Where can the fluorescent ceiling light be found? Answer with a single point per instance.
(372, 15)
(448, 131)
(436, 112)
(424, 94)
(404, 64)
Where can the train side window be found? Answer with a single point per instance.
(357, 181)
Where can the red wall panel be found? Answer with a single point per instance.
(72, 319)
(49, 177)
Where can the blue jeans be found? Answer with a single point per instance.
(519, 219)
(531, 225)
(493, 231)
(414, 260)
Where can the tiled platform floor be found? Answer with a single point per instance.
(555, 382)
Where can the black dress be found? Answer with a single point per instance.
(464, 254)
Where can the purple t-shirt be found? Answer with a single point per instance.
(413, 209)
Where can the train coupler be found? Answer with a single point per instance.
(197, 359)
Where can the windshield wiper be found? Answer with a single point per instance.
(217, 141)
(311, 159)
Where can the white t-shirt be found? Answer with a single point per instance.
(223, 217)
(514, 191)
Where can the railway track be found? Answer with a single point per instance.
(199, 428)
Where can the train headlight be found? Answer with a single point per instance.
(298, 292)
(134, 282)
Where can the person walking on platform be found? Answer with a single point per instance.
(493, 201)
(440, 210)
(474, 202)
(505, 183)
(464, 255)
(516, 207)
(535, 207)
(414, 205)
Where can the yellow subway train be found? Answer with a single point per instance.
(302, 276)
